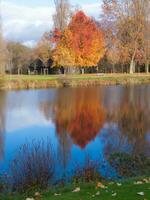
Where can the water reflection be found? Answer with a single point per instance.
(78, 117)
(97, 121)
(2, 122)
(131, 117)
(78, 113)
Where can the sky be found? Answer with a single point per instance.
(25, 21)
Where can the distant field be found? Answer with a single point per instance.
(47, 81)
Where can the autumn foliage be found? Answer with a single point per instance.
(81, 44)
(81, 116)
(56, 35)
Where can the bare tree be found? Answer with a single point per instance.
(140, 12)
(62, 14)
(146, 34)
(19, 57)
(129, 34)
(2, 47)
(43, 49)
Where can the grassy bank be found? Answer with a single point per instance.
(39, 81)
(132, 189)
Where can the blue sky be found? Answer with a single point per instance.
(26, 20)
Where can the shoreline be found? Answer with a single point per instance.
(133, 188)
(18, 82)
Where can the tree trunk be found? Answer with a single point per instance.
(29, 72)
(18, 71)
(122, 68)
(132, 66)
(82, 70)
(65, 70)
(97, 70)
(147, 67)
(113, 69)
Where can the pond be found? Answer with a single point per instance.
(94, 121)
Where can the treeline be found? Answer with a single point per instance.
(119, 41)
(20, 58)
(126, 25)
(2, 51)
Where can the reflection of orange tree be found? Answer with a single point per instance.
(49, 109)
(79, 113)
(78, 116)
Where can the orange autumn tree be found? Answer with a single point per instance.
(81, 44)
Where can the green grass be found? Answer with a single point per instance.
(77, 77)
(43, 81)
(127, 191)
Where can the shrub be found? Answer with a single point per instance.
(87, 172)
(128, 165)
(1, 184)
(33, 166)
(4, 182)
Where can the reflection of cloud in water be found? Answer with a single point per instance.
(97, 120)
(23, 109)
(24, 117)
(2, 121)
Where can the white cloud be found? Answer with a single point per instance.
(27, 24)
(30, 43)
(92, 9)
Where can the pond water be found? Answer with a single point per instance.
(79, 122)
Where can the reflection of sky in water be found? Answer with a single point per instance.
(23, 109)
(23, 118)
(26, 120)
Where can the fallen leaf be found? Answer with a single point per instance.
(57, 194)
(114, 194)
(29, 198)
(37, 194)
(76, 190)
(146, 180)
(119, 184)
(138, 183)
(100, 185)
(97, 193)
(141, 193)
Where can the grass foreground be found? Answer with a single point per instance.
(133, 189)
(48, 81)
